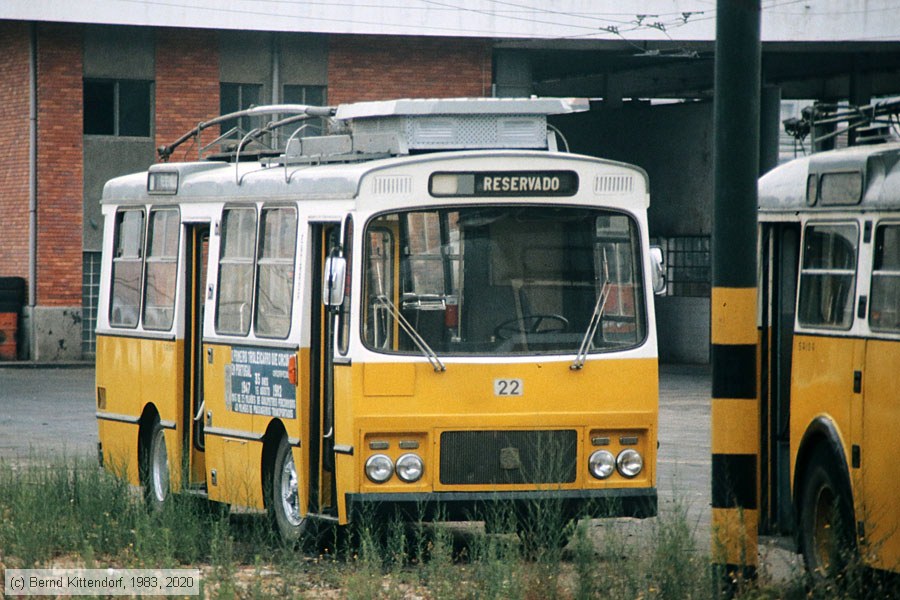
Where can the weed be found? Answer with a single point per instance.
(75, 513)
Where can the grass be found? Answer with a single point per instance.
(73, 514)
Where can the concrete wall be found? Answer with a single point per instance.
(113, 53)
(304, 59)
(672, 142)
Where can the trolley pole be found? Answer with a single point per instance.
(735, 409)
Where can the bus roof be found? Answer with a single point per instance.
(218, 180)
(866, 177)
(362, 138)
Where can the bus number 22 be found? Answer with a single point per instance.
(508, 387)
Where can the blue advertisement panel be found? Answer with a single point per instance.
(257, 383)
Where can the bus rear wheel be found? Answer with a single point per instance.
(826, 519)
(156, 468)
(283, 500)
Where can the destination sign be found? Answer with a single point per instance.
(504, 183)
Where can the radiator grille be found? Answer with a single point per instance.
(498, 457)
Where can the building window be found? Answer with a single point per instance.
(234, 97)
(687, 265)
(90, 292)
(312, 95)
(117, 107)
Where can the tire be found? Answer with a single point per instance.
(283, 496)
(156, 468)
(826, 518)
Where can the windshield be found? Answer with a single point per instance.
(502, 280)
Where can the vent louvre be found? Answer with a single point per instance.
(508, 457)
(614, 184)
(392, 185)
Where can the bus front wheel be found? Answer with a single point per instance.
(284, 495)
(826, 518)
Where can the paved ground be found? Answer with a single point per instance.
(47, 411)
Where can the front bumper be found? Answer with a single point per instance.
(475, 506)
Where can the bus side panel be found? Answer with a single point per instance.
(822, 386)
(162, 379)
(879, 465)
(232, 459)
(119, 375)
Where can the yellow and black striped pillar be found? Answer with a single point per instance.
(735, 409)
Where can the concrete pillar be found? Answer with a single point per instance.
(735, 408)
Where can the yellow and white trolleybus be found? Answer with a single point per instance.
(431, 309)
(830, 349)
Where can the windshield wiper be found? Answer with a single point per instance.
(596, 317)
(414, 335)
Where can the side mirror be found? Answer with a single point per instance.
(658, 270)
(333, 281)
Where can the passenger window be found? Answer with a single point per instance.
(615, 250)
(380, 284)
(275, 279)
(162, 269)
(828, 276)
(234, 303)
(884, 308)
(128, 263)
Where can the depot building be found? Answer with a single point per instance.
(92, 89)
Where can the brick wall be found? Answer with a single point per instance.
(14, 101)
(60, 165)
(187, 85)
(369, 68)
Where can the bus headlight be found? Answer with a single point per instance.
(629, 463)
(379, 468)
(601, 464)
(410, 468)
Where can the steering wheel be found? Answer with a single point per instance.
(531, 324)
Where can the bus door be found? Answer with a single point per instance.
(325, 240)
(778, 287)
(197, 236)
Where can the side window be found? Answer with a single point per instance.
(828, 276)
(379, 266)
(162, 269)
(884, 310)
(235, 299)
(616, 258)
(275, 272)
(127, 267)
